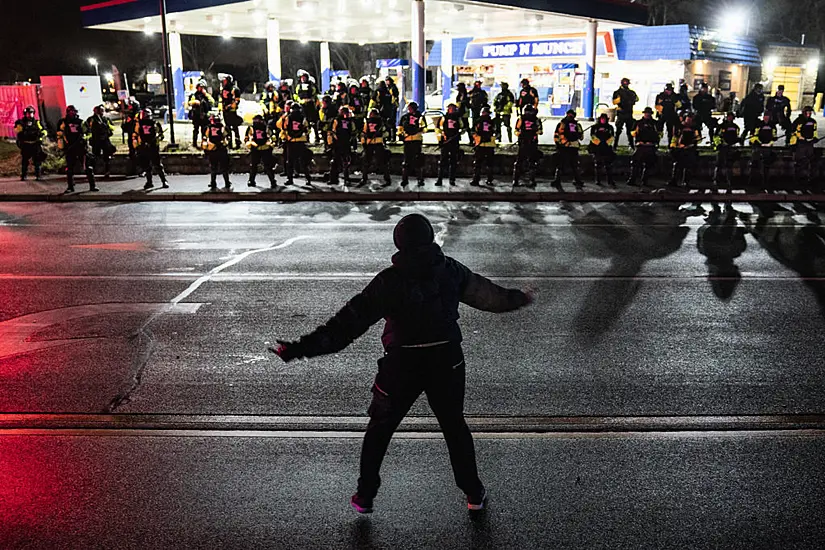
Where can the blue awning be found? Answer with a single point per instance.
(684, 42)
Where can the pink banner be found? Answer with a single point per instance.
(13, 99)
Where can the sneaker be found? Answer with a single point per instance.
(476, 504)
(362, 505)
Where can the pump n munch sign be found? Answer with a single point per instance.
(549, 46)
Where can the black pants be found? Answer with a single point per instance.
(296, 159)
(403, 375)
(803, 159)
(624, 122)
(102, 150)
(233, 122)
(668, 124)
(483, 159)
(132, 166)
(77, 155)
(341, 160)
(149, 158)
(218, 164)
(261, 156)
(30, 152)
(199, 126)
(750, 124)
(450, 153)
(641, 164)
(378, 154)
(684, 164)
(603, 157)
(567, 158)
(526, 160)
(412, 161)
(706, 120)
(726, 156)
(761, 160)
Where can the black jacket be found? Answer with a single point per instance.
(418, 298)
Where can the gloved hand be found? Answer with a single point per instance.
(286, 350)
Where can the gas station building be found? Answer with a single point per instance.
(587, 26)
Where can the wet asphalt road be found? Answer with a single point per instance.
(642, 309)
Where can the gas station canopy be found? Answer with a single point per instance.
(360, 21)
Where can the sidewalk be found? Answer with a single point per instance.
(195, 188)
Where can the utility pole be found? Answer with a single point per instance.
(167, 75)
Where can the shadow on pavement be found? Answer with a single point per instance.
(799, 247)
(629, 236)
(721, 241)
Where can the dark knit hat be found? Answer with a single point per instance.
(412, 231)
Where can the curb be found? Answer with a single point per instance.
(661, 195)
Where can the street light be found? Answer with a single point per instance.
(736, 22)
(93, 61)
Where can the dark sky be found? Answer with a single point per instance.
(45, 37)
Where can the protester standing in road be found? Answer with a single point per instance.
(418, 297)
(30, 134)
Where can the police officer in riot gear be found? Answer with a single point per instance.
(200, 103)
(704, 104)
(779, 107)
(147, 137)
(327, 114)
(101, 131)
(214, 144)
(230, 101)
(411, 130)
(462, 99)
(725, 142)
(131, 113)
(528, 130)
(762, 155)
(752, 107)
(647, 134)
(527, 95)
(358, 110)
(295, 135)
(448, 131)
(270, 104)
(341, 138)
(306, 94)
(71, 139)
(372, 138)
(624, 99)
(260, 141)
(284, 94)
(684, 150)
(668, 105)
(418, 297)
(601, 149)
(567, 137)
(802, 143)
(484, 139)
(503, 107)
(30, 133)
(478, 99)
(393, 114)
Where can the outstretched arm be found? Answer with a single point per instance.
(354, 319)
(481, 293)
